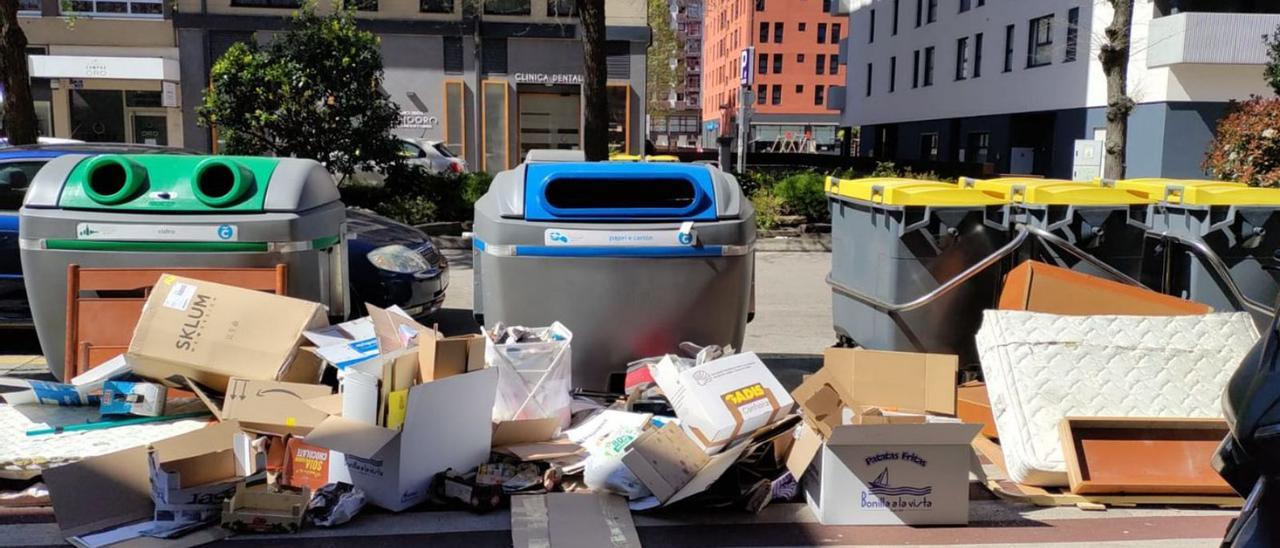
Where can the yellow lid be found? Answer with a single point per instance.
(637, 158)
(1028, 190)
(1202, 192)
(910, 192)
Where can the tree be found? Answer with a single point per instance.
(595, 97)
(662, 67)
(314, 92)
(19, 110)
(1114, 55)
(1272, 70)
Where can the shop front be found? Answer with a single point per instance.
(112, 99)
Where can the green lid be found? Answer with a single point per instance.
(168, 183)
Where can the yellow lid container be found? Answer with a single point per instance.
(910, 192)
(1202, 192)
(1028, 190)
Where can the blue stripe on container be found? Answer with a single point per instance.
(609, 251)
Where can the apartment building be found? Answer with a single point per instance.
(491, 79)
(680, 129)
(1016, 83)
(104, 70)
(796, 61)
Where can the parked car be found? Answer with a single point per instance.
(433, 155)
(390, 263)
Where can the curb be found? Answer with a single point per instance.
(810, 244)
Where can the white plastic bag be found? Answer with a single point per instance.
(534, 378)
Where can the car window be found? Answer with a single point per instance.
(15, 177)
(444, 150)
(410, 150)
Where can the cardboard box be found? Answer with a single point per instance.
(268, 407)
(447, 425)
(305, 465)
(665, 460)
(211, 332)
(261, 509)
(725, 400)
(1039, 287)
(888, 473)
(193, 473)
(132, 398)
(973, 407)
(444, 357)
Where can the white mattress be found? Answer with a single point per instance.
(1040, 368)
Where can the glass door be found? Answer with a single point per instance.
(149, 129)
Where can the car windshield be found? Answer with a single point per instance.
(444, 150)
(15, 177)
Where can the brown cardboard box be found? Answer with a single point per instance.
(193, 473)
(211, 332)
(444, 357)
(269, 407)
(665, 460)
(972, 406)
(851, 378)
(260, 509)
(1039, 287)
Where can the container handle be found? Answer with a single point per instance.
(1210, 258)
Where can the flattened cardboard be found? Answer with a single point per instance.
(544, 450)
(447, 425)
(269, 407)
(121, 486)
(664, 460)
(1040, 287)
(525, 431)
(394, 329)
(974, 407)
(211, 332)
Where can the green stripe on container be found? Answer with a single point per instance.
(322, 243)
(178, 247)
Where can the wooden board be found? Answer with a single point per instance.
(1143, 456)
(996, 480)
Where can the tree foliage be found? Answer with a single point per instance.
(664, 48)
(1272, 70)
(1247, 144)
(314, 92)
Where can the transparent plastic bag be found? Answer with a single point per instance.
(534, 378)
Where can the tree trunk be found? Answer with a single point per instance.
(1114, 56)
(19, 111)
(595, 97)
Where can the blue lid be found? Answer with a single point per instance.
(619, 191)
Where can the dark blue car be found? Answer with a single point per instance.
(390, 263)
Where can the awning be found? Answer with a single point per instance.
(114, 68)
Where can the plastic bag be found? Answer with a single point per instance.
(335, 504)
(535, 376)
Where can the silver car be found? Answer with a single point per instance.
(432, 155)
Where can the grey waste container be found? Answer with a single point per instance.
(181, 211)
(1216, 239)
(1104, 222)
(913, 263)
(632, 257)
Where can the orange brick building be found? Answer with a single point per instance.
(796, 63)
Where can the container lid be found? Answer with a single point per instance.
(1202, 192)
(1028, 190)
(910, 192)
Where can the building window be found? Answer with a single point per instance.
(453, 55)
(915, 69)
(493, 56)
(979, 147)
(820, 93)
(455, 127)
(893, 74)
(777, 63)
(820, 64)
(435, 6)
(762, 94)
(869, 73)
(803, 26)
(1040, 42)
(777, 94)
(799, 89)
(835, 33)
(895, 18)
(982, 3)
(933, 11)
(777, 33)
(762, 64)
(145, 8)
(362, 5)
(962, 58)
(1073, 34)
(928, 66)
(977, 55)
(494, 136)
(1008, 48)
(759, 5)
(871, 29)
(929, 147)
(965, 5)
(919, 12)
(507, 7)
(29, 7)
(826, 6)
(799, 58)
(562, 8)
(764, 33)
(833, 64)
(822, 33)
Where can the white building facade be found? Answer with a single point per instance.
(1014, 83)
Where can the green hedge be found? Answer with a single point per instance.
(413, 196)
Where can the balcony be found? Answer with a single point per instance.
(1209, 39)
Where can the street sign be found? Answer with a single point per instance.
(748, 73)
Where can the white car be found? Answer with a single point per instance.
(432, 155)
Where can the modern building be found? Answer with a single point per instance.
(1016, 83)
(104, 70)
(796, 61)
(680, 129)
(491, 79)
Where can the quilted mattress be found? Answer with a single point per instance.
(1040, 368)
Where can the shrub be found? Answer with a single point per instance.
(885, 169)
(1247, 145)
(804, 194)
(768, 208)
(411, 195)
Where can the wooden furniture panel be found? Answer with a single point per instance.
(1172, 456)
